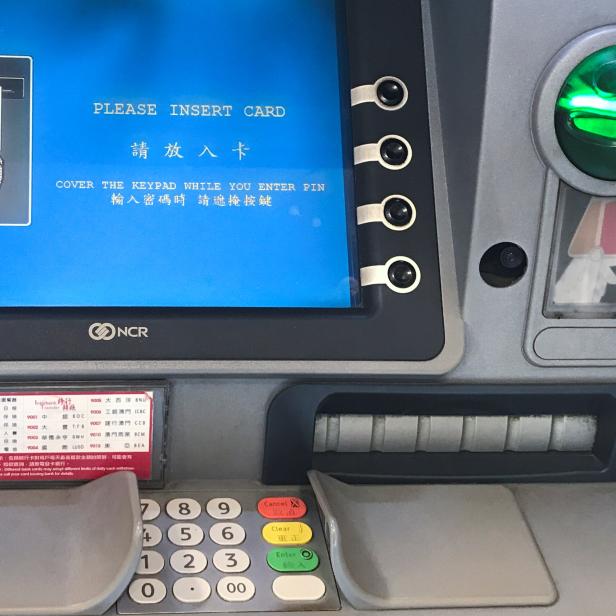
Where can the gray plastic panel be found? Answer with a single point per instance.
(399, 547)
(69, 551)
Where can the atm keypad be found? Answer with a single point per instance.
(250, 551)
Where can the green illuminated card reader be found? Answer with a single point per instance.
(586, 115)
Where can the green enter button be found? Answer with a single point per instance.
(290, 560)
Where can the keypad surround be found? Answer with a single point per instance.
(230, 558)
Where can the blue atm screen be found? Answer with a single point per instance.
(174, 153)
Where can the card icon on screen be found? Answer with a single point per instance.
(15, 140)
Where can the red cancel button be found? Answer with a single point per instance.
(282, 508)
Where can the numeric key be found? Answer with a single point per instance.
(147, 591)
(224, 509)
(235, 589)
(150, 509)
(185, 535)
(152, 535)
(227, 533)
(231, 561)
(189, 562)
(150, 563)
(183, 509)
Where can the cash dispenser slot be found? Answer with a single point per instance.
(441, 434)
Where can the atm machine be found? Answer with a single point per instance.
(307, 306)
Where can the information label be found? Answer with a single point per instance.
(68, 436)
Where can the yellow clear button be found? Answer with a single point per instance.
(287, 533)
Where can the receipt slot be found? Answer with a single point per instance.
(15, 140)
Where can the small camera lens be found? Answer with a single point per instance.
(503, 265)
(402, 274)
(391, 93)
(512, 257)
(398, 212)
(394, 152)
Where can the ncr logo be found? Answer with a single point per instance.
(106, 332)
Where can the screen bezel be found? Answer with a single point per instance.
(386, 327)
